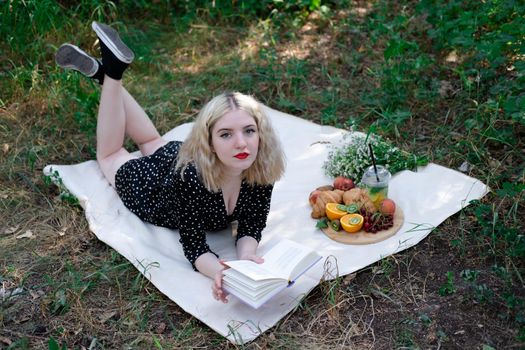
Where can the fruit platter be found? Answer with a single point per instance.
(355, 215)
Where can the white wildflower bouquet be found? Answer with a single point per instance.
(352, 158)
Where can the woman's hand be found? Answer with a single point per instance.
(216, 288)
(217, 291)
(247, 248)
(253, 257)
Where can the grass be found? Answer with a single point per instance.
(440, 79)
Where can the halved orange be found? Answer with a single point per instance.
(332, 212)
(352, 223)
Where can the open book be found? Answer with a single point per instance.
(256, 283)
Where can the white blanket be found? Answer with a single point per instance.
(427, 197)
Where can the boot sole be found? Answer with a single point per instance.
(72, 57)
(111, 39)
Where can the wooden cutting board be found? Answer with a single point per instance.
(362, 237)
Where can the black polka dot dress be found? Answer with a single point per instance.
(150, 188)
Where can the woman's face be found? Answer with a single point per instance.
(235, 140)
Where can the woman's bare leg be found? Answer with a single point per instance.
(120, 115)
(140, 127)
(111, 128)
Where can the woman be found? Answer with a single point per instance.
(223, 172)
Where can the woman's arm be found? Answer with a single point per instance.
(247, 249)
(188, 209)
(210, 266)
(252, 219)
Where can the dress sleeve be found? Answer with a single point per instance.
(189, 209)
(255, 211)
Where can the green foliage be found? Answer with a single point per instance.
(405, 339)
(425, 319)
(501, 239)
(482, 292)
(59, 305)
(322, 223)
(505, 235)
(488, 37)
(477, 48)
(53, 345)
(503, 231)
(333, 290)
(20, 344)
(23, 20)
(352, 158)
(448, 287)
(65, 195)
(469, 275)
(406, 70)
(185, 11)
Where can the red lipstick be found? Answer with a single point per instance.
(242, 155)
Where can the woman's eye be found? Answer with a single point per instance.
(225, 135)
(251, 130)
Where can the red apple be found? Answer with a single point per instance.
(343, 183)
(387, 206)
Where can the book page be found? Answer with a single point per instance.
(287, 257)
(253, 270)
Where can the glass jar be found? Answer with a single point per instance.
(377, 186)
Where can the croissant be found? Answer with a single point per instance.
(360, 197)
(318, 208)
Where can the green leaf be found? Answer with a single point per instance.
(520, 66)
(510, 189)
(323, 223)
(53, 345)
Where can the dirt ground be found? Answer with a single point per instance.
(394, 303)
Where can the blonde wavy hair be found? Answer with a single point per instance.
(269, 164)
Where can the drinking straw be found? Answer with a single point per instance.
(373, 161)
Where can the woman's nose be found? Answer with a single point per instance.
(240, 141)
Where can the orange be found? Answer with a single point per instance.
(333, 213)
(352, 223)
